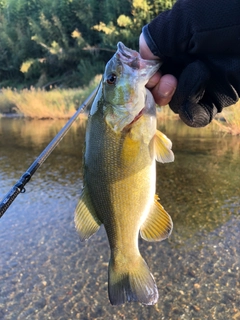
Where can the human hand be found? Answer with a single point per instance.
(162, 87)
(185, 94)
(202, 54)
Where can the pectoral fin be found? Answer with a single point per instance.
(158, 225)
(86, 221)
(163, 146)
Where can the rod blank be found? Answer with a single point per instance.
(19, 187)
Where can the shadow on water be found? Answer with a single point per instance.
(47, 273)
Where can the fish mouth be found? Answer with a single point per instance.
(130, 57)
(134, 60)
(127, 54)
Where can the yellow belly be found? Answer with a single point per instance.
(120, 174)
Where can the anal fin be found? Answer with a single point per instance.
(86, 220)
(158, 225)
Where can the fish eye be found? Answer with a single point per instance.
(111, 78)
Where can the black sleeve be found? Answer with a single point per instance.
(196, 27)
(199, 43)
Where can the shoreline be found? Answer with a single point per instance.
(11, 115)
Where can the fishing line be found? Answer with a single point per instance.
(19, 187)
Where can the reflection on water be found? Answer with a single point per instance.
(47, 273)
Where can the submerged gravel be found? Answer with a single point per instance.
(47, 273)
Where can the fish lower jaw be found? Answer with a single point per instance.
(118, 123)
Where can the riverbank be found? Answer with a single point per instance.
(41, 104)
(63, 103)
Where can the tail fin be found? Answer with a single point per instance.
(131, 284)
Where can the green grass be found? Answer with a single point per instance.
(41, 104)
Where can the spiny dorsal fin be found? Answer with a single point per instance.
(163, 146)
(158, 225)
(86, 221)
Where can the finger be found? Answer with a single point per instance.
(191, 99)
(154, 80)
(164, 89)
(197, 115)
(144, 50)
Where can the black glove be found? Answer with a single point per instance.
(199, 43)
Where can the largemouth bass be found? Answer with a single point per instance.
(121, 147)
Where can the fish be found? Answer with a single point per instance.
(122, 145)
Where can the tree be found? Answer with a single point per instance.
(42, 41)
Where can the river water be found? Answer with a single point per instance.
(47, 273)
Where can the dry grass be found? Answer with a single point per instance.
(231, 120)
(165, 113)
(62, 104)
(6, 105)
(41, 104)
(228, 121)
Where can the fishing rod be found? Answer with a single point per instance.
(19, 187)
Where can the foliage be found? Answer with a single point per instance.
(66, 42)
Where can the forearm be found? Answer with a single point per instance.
(196, 27)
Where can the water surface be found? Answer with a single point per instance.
(47, 273)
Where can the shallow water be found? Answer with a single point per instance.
(47, 273)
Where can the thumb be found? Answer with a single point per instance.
(190, 99)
